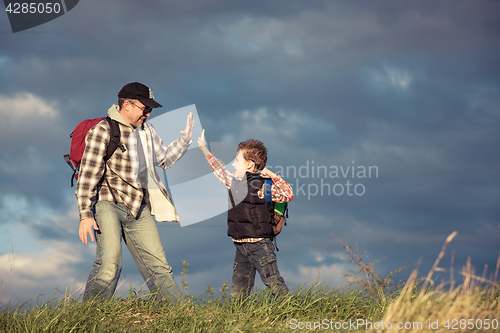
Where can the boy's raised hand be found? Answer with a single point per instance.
(202, 144)
(266, 173)
(201, 139)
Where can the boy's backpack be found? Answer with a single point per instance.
(78, 143)
(278, 210)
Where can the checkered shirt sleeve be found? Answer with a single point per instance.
(219, 169)
(281, 191)
(166, 156)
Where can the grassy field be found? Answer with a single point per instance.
(369, 306)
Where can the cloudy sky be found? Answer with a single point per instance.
(407, 90)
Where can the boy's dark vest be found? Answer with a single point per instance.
(250, 218)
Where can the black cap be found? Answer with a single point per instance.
(140, 92)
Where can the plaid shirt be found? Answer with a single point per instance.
(122, 169)
(281, 191)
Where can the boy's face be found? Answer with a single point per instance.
(241, 165)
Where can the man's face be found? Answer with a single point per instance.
(134, 113)
(241, 165)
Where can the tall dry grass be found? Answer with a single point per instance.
(418, 306)
(471, 306)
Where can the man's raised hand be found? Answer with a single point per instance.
(186, 134)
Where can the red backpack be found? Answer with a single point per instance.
(78, 143)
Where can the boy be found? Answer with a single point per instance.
(248, 218)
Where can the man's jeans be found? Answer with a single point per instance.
(260, 257)
(142, 239)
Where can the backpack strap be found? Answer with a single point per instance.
(275, 243)
(268, 185)
(267, 192)
(114, 142)
(68, 160)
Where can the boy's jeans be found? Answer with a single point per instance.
(143, 240)
(260, 257)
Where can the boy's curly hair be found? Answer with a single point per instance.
(255, 151)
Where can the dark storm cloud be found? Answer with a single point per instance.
(222, 53)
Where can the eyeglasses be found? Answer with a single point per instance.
(146, 109)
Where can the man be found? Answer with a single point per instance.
(117, 198)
